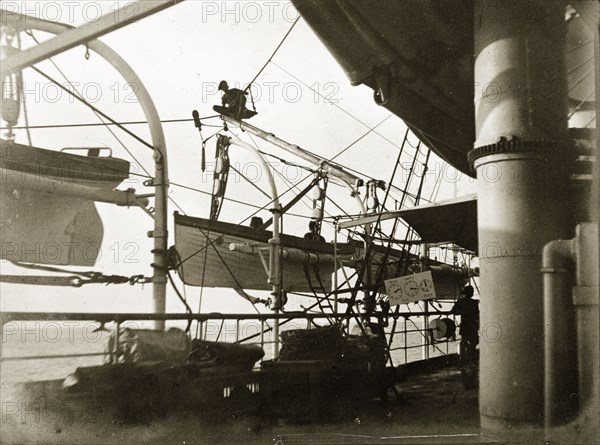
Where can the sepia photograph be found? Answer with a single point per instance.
(299, 222)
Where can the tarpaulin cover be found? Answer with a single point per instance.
(449, 221)
(419, 52)
(418, 57)
(41, 226)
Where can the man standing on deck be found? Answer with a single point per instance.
(468, 309)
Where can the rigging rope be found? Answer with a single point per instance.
(370, 130)
(335, 104)
(188, 309)
(106, 124)
(90, 276)
(87, 104)
(272, 55)
(99, 114)
(312, 289)
(287, 181)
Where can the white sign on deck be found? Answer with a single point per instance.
(414, 287)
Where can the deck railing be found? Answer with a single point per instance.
(406, 342)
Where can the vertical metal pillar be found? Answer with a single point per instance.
(160, 235)
(521, 122)
(426, 336)
(335, 266)
(425, 331)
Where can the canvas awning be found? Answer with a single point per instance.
(451, 221)
(447, 221)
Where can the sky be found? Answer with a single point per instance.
(181, 54)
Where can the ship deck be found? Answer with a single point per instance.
(434, 407)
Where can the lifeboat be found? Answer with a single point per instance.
(43, 218)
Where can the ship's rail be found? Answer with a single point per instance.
(408, 336)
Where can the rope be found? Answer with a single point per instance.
(90, 276)
(580, 104)
(313, 290)
(239, 286)
(336, 105)
(106, 124)
(249, 181)
(361, 137)
(30, 33)
(320, 281)
(287, 181)
(188, 309)
(96, 110)
(272, 55)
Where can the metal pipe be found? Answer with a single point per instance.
(560, 353)
(335, 265)
(521, 187)
(289, 254)
(276, 334)
(424, 266)
(587, 304)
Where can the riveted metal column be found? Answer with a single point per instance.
(520, 106)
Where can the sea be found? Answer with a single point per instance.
(68, 345)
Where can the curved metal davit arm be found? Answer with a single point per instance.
(274, 242)
(161, 181)
(265, 166)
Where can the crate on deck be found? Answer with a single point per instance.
(320, 373)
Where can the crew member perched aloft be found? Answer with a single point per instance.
(234, 103)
